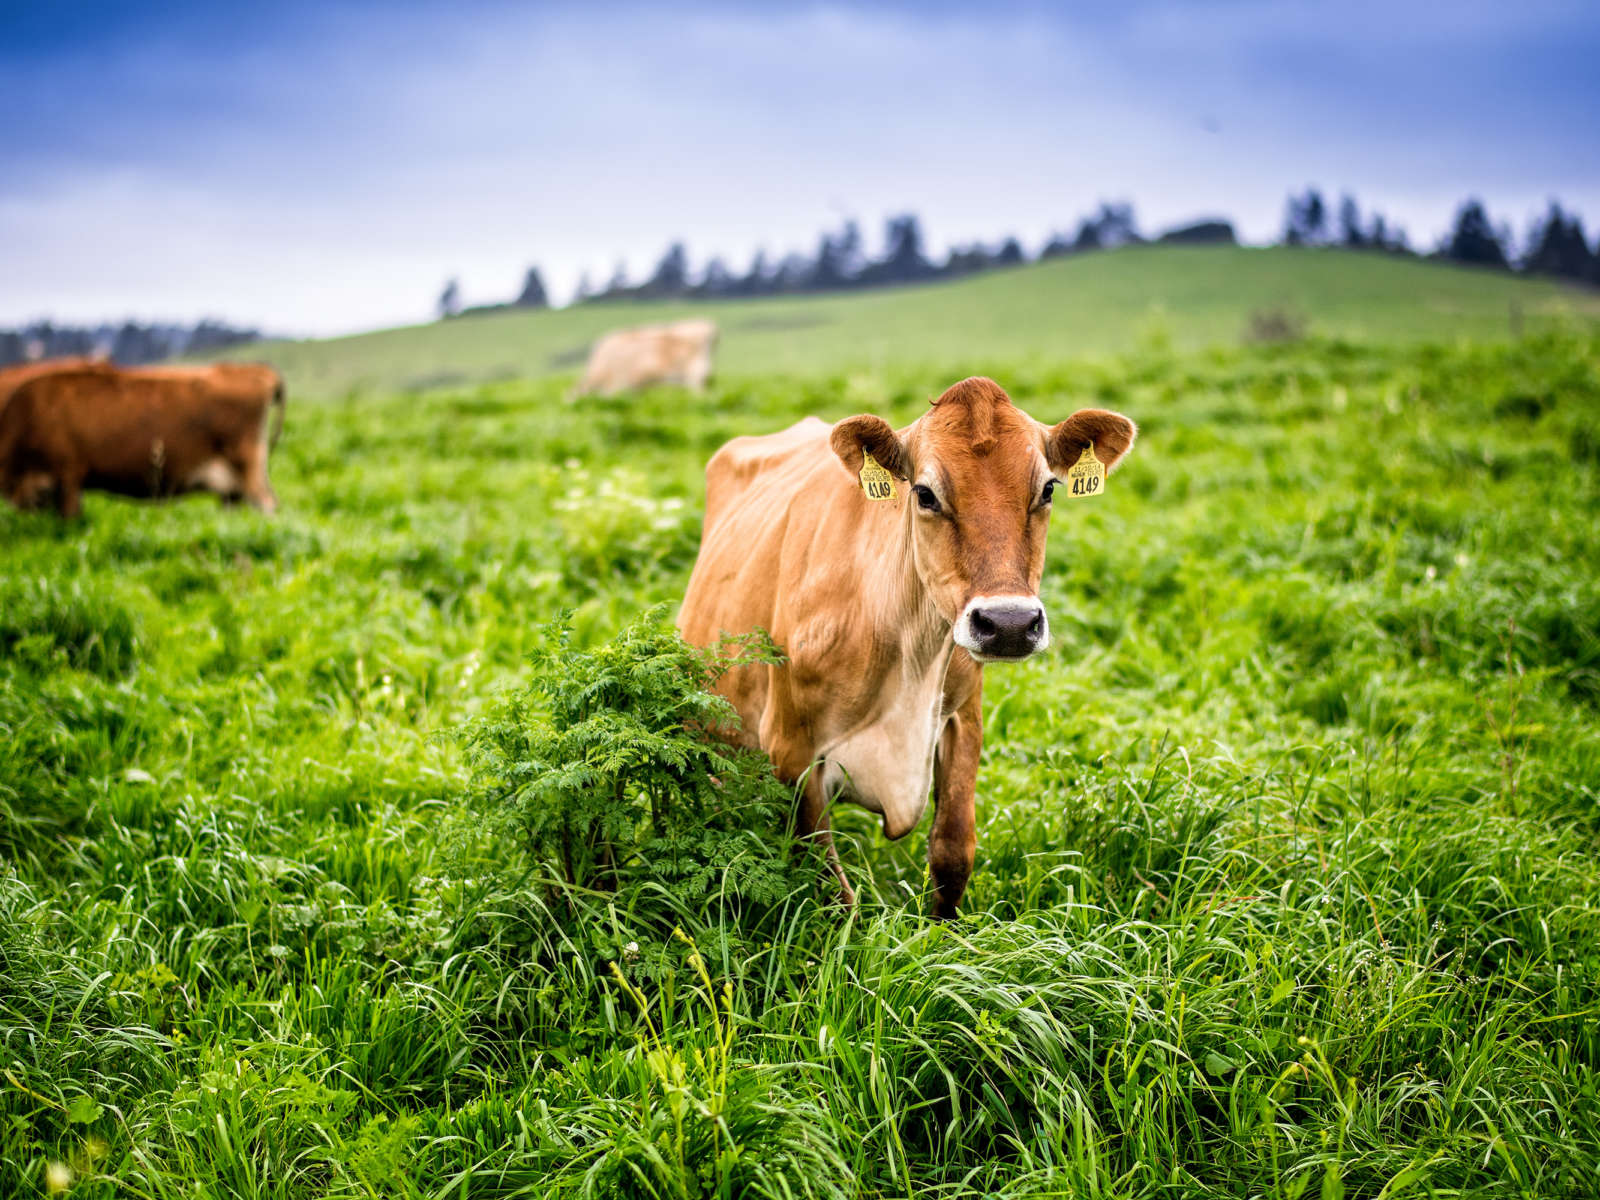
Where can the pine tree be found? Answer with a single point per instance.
(1116, 226)
(1010, 254)
(671, 276)
(1558, 247)
(1088, 236)
(757, 282)
(618, 286)
(1474, 239)
(533, 293)
(1058, 245)
(717, 279)
(852, 254)
(1350, 231)
(450, 300)
(903, 259)
(966, 260)
(1305, 221)
(828, 272)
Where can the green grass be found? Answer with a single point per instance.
(1287, 877)
(1190, 297)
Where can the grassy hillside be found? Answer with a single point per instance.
(1192, 296)
(1288, 877)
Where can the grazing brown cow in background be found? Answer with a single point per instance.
(888, 599)
(154, 431)
(628, 359)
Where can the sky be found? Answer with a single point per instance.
(321, 168)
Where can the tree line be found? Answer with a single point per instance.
(1555, 246)
(129, 343)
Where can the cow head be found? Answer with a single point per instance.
(978, 477)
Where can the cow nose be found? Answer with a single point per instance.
(1010, 629)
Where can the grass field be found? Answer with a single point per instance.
(1287, 880)
(1192, 297)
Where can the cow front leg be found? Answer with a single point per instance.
(954, 840)
(812, 824)
(69, 495)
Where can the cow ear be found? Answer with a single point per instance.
(866, 434)
(1111, 434)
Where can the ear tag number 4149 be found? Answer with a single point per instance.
(877, 483)
(1087, 476)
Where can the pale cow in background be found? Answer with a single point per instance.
(627, 359)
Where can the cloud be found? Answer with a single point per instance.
(326, 168)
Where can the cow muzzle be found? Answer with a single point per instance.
(1002, 628)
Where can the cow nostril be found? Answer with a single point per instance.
(982, 625)
(1036, 626)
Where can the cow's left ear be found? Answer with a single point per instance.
(1110, 433)
(866, 434)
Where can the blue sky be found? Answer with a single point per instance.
(319, 168)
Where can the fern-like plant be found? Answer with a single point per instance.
(608, 767)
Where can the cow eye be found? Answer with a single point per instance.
(926, 500)
(1049, 490)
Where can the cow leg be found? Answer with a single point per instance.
(954, 840)
(256, 488)
(811, 823)
(69, 494)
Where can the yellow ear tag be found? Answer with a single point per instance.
(877, 483)
(1087, 476)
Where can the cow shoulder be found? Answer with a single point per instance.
(747, 463)
(752, 484)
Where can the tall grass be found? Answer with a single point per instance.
(1286, 880)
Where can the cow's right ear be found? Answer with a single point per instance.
(866, 434)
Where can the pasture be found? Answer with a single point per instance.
(1287, 880)
(1189, 297)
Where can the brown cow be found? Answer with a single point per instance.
(627, 359)
(887, 599)
(154, 431)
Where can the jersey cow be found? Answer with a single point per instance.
(890, 566)
(627, 359)
(155, 431)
